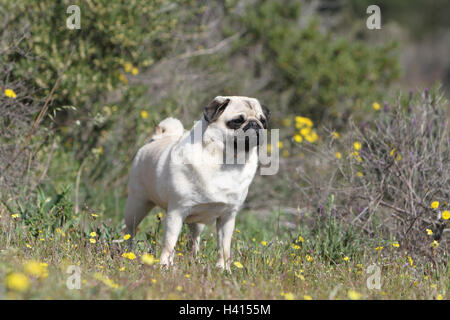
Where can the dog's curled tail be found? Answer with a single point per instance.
(168, 127)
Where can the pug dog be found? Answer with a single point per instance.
(188, 173)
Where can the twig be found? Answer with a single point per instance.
(47, 165)
(77, 187)
(207, 51)
(38, 119)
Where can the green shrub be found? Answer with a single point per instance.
(115, 36)
(391, 174)
(314, 72)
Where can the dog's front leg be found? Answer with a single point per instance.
(225, 227)
(174, 222)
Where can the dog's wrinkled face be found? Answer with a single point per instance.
(237, 118)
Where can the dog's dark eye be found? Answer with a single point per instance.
(263, 121)
(236, 123)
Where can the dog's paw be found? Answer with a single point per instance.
(221, 266)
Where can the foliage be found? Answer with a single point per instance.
(264, 266)
(389, 171)
(313, 72)
(134, 63)
(113, 39)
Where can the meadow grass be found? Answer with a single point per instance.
(270, 261)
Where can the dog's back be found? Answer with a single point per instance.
(144, 170)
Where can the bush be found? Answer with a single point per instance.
(106, 48)
(18, 106)
(393, 181)
(312, 71)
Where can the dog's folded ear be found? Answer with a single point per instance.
(215, 108)
(266, 112)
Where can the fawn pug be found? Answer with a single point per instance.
(184, 172)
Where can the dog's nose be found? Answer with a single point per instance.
(252, 125)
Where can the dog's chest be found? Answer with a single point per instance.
(224, 185)
(229, 184)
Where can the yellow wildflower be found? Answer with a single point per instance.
(289, 296)
(440, 297)
(303, 121)
(144, 114)
(396, 245)
(92, 240)
(93, 234)
(135, 71)
(17, 282)
(434, 244)
(300, 238)
(148, 259)
(305, 131)
(10, 93)
(311, 138)
(127, 67)
(429, 232)
(445, 215)
(379, 248)
(280, 144)
(392, 152)
(435, 205)
(299, 275)
(357, 145)
(338, 155)
(376, 106)
(15, 216)
(126, 237)
(238, 265)
(353, 295)
(36, 269)
(264, 243)
(123, 79)
(106, 280)
(359, 174)
(306, 297)
(298, 138)
(346, 258)
(129, 255)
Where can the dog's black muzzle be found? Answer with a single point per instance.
(251, 133)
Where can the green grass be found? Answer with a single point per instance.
(275, 262)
